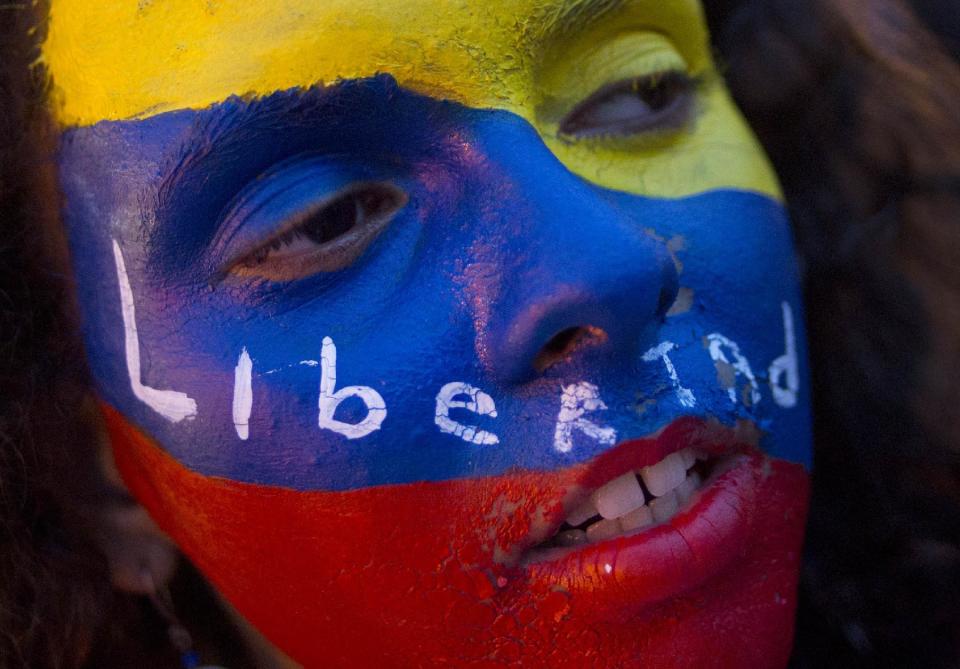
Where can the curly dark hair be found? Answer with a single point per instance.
(58, 609)
(52, 582)
(856, 103)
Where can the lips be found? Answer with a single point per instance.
(641, 498)
(652, 530)
(628, 573)
(446, 572)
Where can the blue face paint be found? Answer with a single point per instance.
(498, 249)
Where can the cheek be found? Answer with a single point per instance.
(420, 571)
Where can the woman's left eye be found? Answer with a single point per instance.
(328, 237)
(660, 101)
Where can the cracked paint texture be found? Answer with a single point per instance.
(403, 543)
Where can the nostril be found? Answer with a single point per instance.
(665, 300)
(566, 342)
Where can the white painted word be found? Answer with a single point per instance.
(578, 399)
(330, 398)
(739, 366)
(302, 363)
(172, 405)
(479, 403)
(243, 395)
(685, 395)
(785, 367)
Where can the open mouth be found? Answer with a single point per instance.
(652, 518)
(633, 502)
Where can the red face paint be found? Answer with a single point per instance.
(367, 435)
(434, 574)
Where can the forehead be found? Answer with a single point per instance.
(136, 58)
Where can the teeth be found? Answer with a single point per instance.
(664, 507)
(583, 513)
(620, 496)
(603, 530)
(622, 508)
(571, 538)
(637, 519)
(686, 489)
(664, 476)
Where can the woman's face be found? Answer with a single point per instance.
(437, 332)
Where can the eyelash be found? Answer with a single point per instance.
(339, 230)
(302, 231)
(668, 95)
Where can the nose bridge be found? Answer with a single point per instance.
(575, 260)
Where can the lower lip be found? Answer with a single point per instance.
(625, 575)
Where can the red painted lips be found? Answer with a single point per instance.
(430, 574)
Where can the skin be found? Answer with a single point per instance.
(281, 402)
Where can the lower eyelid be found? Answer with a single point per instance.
(380, 200)
(306, 262)
(279, 195)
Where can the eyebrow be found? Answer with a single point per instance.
(224, 129)
(561, 19)
(224, 123)
(221, 123)
(221, 149)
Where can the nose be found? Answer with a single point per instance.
(579, 269)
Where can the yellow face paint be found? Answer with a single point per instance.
(129, 59)
(228, 239)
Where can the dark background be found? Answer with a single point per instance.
(881, 579)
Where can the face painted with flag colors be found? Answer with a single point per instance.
(443, 333)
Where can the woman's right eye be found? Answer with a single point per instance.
(327, 236)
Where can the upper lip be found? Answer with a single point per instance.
(710, 436)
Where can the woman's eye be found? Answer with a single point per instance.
(328, 237)
(633, 106)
